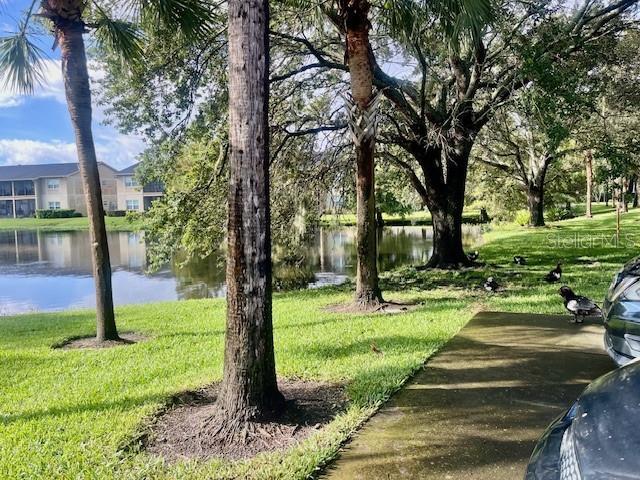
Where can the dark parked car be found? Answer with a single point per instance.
(621, 311)
(598, 438)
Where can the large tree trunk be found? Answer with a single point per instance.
(249, 390)
(589, 173)
(446, 214)
(535, 188)
(444, 196)
(363, 113)
(535, 202)
(447, 240)
(76, 82)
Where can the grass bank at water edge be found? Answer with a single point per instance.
(115, 224)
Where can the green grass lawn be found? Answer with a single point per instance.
(116, 224)
(67, 414)
(470, 215)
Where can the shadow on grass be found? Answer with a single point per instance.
(126, 403)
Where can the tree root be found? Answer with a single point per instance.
(222, 430)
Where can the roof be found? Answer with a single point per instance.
(31, 172)
(44, 170)
(130, 170)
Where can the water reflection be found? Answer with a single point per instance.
(52, 270)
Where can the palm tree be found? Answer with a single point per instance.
(362, 123)
(22, 67)
(404, 19)
(249, 390)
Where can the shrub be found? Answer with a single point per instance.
(522, 217)
(560, 213)
(133, 216)
(62, 213)
(115, 213)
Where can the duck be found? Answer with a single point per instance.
(519, 260)
(554, 275)
(490, 285)
(578, 305)
(473, 256)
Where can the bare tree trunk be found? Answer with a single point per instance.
(445, 200)
(363, 112)
(447, 241)
(249, 389)
(589, 173)
(444, 197)
(78, 92)
(535, 202)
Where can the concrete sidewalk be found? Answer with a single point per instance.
(478, 407)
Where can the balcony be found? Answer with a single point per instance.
(24, 188)
(153, 187)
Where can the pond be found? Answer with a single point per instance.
(44, 271)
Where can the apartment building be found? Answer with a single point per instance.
(131, 195)
(27, 188)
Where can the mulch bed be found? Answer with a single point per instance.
(90, 342)
(184, 430)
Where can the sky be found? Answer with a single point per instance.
(37, 129)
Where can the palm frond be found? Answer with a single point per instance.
(454, 19)
(21, 63)
(191, 17)
(118, 36)
(458, 17)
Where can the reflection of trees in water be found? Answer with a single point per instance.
(199, 278)
(401, 247)
(334, 250)
(327, 250)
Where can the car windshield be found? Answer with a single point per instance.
(633, 266)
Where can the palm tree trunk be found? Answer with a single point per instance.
(249, 389)
(360, 57)
(78, 92)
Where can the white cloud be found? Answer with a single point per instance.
(9, 101)
(117, 150)
(52, 88)
(23, 152)
(112, 147)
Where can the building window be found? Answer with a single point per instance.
(24, 188)
(6, 208)
(154, 187)
(133, 205)
(6, 190)
(53, 184)
(54, 205)
(25, 208)
(130, 182)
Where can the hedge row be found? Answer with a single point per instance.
(115, 213)
(60, 213)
